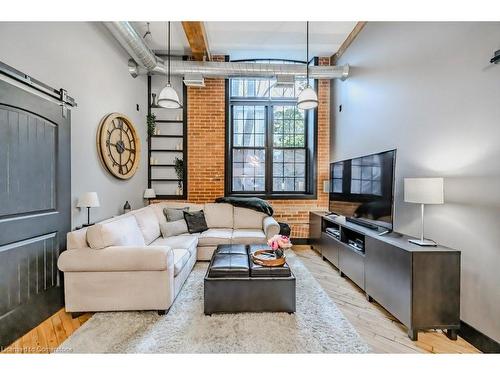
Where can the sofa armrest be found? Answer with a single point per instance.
(271, 227)
(116, 259)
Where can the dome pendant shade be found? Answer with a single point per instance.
(168, 98)
(307, 99)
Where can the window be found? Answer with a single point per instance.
(270, 141)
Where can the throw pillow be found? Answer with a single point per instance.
(173, 228)
(196, 222)
(175, 214)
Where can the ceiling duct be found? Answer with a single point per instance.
(146, 62)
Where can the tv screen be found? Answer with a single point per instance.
(361, 189)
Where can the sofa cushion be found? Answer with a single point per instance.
(116, 259)
(248, 236)
(181, 257)
(121, 232)
(77, 239)
(214, 237)
(148, 224)
(186, 241)
(195, 221)
(173, 228)
(245, 218)
(219, 215)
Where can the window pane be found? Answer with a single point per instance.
(337, 186)
(277, 155)
(289, 156)
(260, 126)
(237, 155)
(278, 169)
(355, 186)
(300, 156)
(278, 184)
(238, 140)
(300, 184)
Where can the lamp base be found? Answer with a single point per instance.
(423, 243)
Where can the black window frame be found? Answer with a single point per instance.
(311, 142)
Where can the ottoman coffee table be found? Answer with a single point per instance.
(233, 283)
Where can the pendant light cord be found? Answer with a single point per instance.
(168, 53)
(307, 53)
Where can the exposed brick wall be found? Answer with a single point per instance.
(206, 142)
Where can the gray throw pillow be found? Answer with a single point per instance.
(195, 221)
(175, 214)
(173, 228)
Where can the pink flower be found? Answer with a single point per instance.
(277, 242)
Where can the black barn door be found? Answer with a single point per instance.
(35, 198)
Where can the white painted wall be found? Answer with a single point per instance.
(429, 90)
(84, 59)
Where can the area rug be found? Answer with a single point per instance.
(317, 327)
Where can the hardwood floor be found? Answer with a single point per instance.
(376, 326)
(47, 336)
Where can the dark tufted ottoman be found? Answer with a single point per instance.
(233, 283)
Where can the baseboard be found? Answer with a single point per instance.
(478, 339)
(300, 241)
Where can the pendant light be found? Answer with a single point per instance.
(168, 97)
(307, 98)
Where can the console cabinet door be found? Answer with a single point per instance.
(388, 278)
(315, 231)
(352, 264)
(330, 249)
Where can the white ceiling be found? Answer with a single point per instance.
(247, 40)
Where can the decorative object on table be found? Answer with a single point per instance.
(269, 258)
(179, 171)
(168, 97)
(151, 121)
(118, 145)
(153, 101)
(307, 98)
(149, 194)
(285, 229)
(423, 191)
(274, 257)
(126, 207)
(88, 200)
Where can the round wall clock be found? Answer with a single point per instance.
(118, 145)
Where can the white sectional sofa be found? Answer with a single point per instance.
(124, 263)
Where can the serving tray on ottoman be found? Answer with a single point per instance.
(233, 283)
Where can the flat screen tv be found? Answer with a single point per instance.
(362, 189)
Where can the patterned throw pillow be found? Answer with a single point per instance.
(196, 222)
(175, 214)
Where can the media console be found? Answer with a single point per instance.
(420, 286)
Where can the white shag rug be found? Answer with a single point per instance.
(317, 327)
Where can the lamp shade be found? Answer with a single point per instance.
(149, 193)
(424, 190)
(307, 99)
(168, 98)
(89, 199)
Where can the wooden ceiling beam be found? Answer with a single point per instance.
(350, 38)
(197, 38)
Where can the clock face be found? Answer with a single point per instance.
(118, 145)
